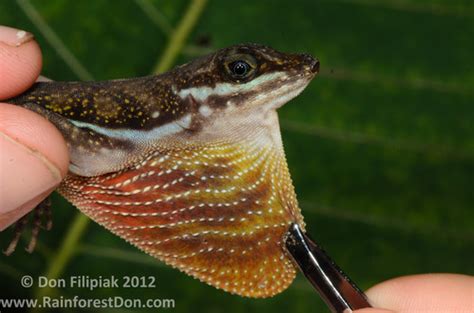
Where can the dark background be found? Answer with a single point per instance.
(380, 145)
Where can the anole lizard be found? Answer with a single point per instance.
(188, 165)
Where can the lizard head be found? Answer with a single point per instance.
(245, 77)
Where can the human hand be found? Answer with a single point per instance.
(433, 293)
(33, 154)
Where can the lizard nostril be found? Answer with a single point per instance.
(315, 66)
(311, 62)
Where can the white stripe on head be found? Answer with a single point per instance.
(222, 89)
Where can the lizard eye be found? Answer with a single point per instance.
(241, 67)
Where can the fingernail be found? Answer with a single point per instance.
(14, 37)
(42, 78)
(25, 175)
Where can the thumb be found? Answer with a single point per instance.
(33, 161)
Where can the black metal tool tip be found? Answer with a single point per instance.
(337, 290)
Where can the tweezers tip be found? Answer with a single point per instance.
(335, 287)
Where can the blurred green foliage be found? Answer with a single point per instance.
(380, 146)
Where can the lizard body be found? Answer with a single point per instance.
(188, 165)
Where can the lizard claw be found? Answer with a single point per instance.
(44, 208)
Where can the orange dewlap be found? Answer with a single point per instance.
(218, 212)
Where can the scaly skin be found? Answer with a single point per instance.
(188, 166)
(217, 212)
